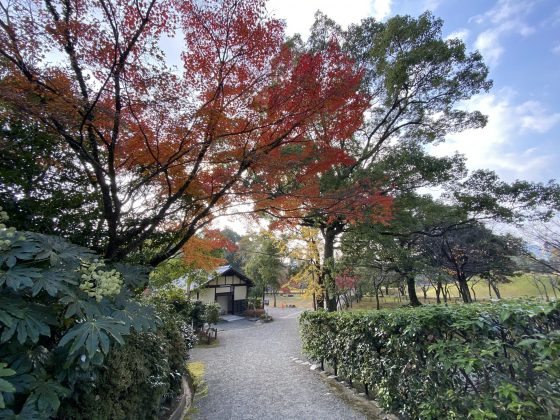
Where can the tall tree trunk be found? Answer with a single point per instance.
(411, 287)
(473, 293)
(496, 290)
(464, 287)
(329, 236)
(438, 291)
(377, 297)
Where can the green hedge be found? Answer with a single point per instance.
(497, 360)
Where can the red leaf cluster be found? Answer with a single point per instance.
(169, 147)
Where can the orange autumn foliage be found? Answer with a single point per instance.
(202, 251)
(169, 147)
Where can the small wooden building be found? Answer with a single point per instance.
(229, 287)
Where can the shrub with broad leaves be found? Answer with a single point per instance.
(62, 311)
(498, 360)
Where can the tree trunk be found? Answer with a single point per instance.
(377, 297)
(314, 302)
(329, 236)
(464, 288)
(496, 290)
(319, 299)
(438, 292)
(411, 286)
(473, 292)
(274, 294)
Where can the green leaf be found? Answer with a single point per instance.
(58, 250)
(79, 307)
(139, 317)
(5, 386)
(19, 277)
(54, 280)
(28, 320)
(88, 336)
(134, 276)
(46, 396)
(24, 250)
(528, 342)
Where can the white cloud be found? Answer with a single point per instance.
(488, 44)
(556, 49)
(462, 34)
(494, 147)
(505, 10)
(299, 14)
(533, 117)
(381, 8)
(505, 18)
(432, 5)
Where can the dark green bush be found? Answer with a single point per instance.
(63, 310)
(480, 361)
(175, 299)
(211, 313)
(139, 379)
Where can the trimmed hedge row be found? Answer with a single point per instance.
(498, 360)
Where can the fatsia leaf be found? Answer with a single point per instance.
(46, 396)
(139, 317)
(134, 276)
(54, 280)
(77, 307)
(56, 250)
(28, 320)
(5, 386)
(24, 250)
(88, 336)
(20, 277)
(28, 412)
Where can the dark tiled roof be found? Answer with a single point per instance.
(224, 270)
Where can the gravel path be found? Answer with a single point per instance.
(252, 375)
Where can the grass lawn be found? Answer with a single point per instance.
(520, 286)
(300, 301)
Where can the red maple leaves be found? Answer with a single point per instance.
(168, 147)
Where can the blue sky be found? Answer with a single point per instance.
(520, 41)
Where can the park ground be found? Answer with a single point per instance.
(520, 287)
(251, 374)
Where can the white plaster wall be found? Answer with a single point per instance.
(240, 293)
(207, 295)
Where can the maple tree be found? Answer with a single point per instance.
(167, 148)
(414, 80)
(205, 251)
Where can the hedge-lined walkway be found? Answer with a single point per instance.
(251, 375)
